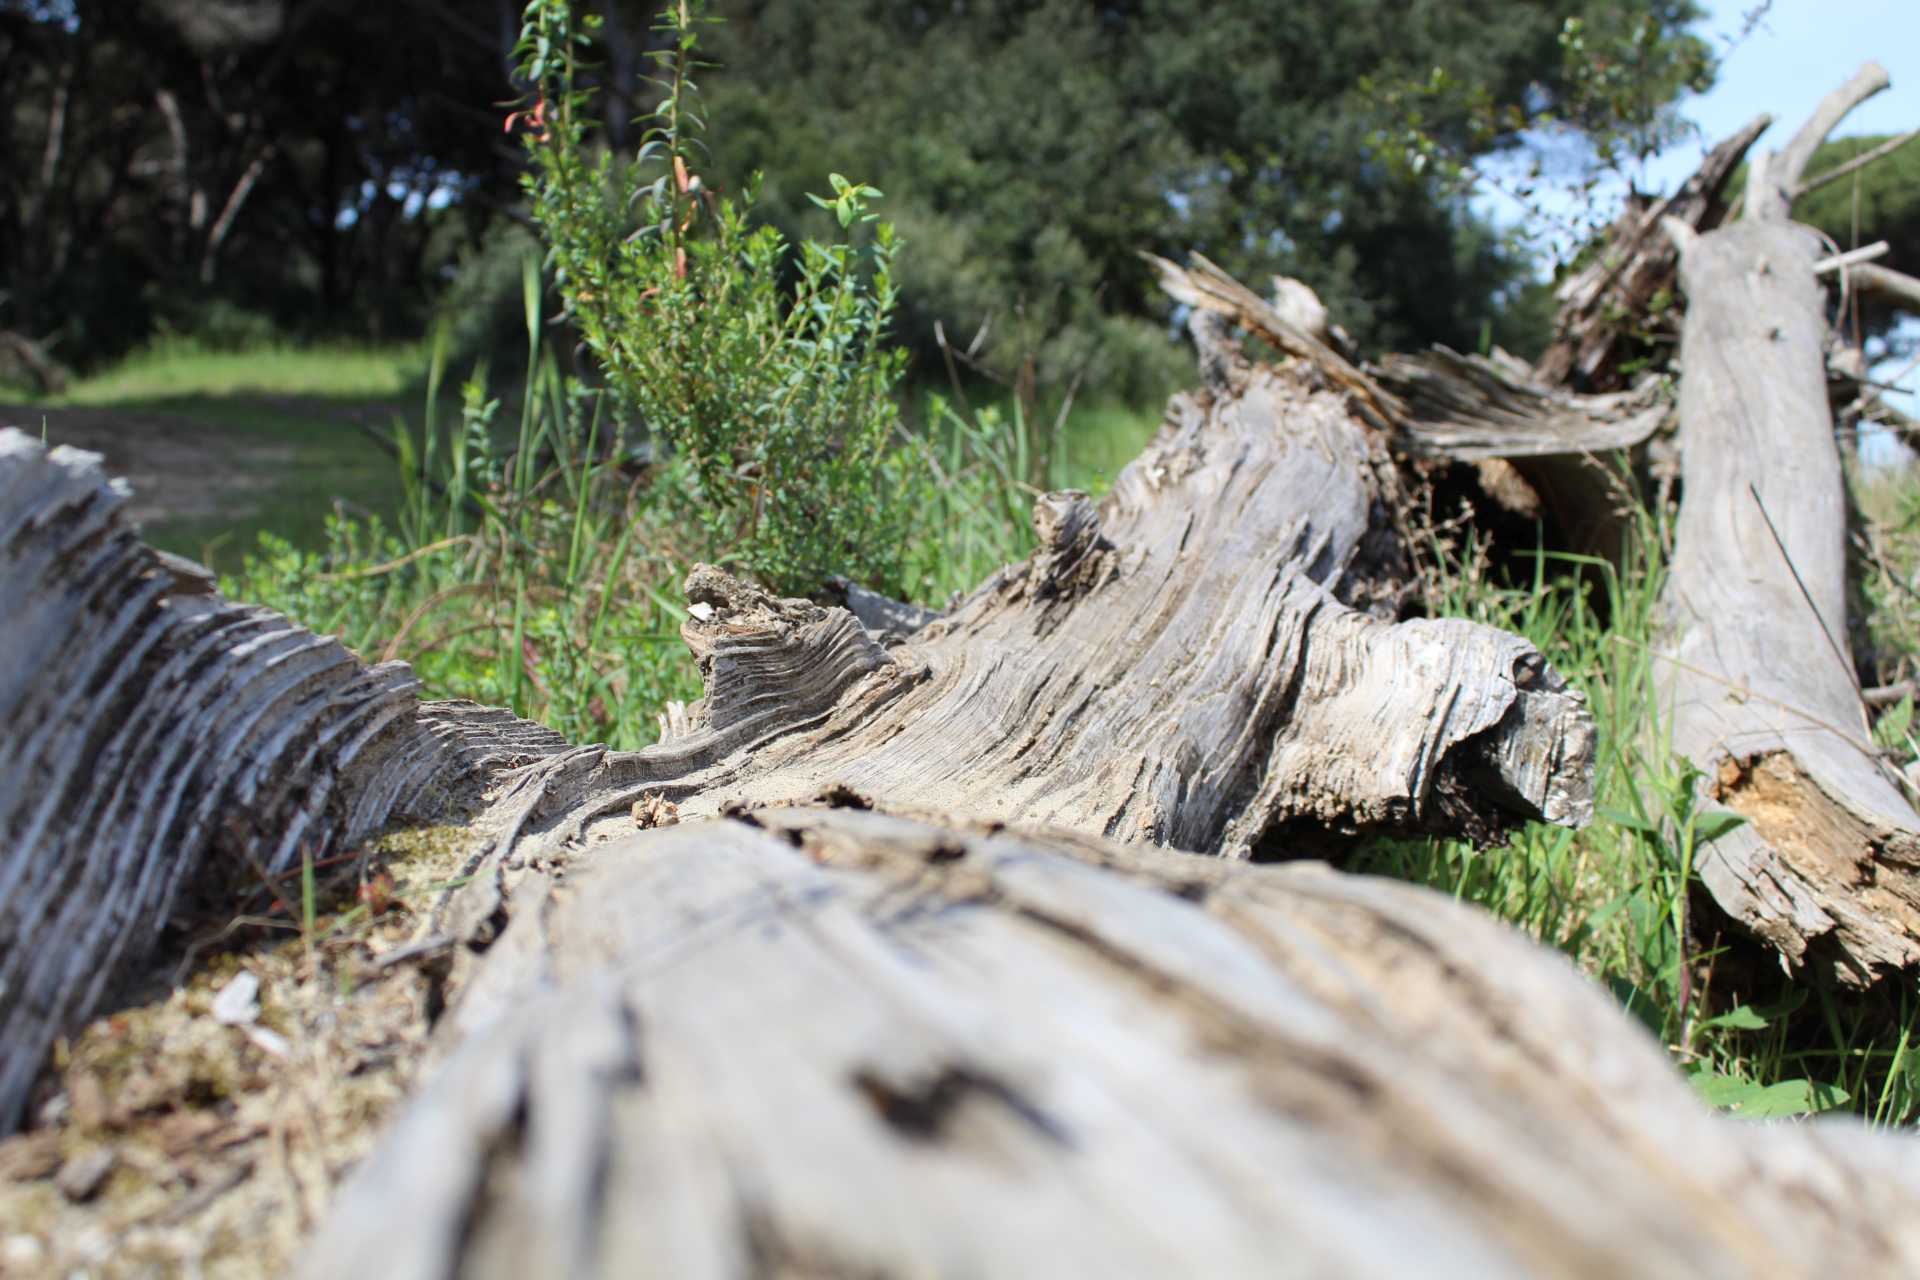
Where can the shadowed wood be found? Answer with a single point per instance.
(1537, 449)
(154, 735)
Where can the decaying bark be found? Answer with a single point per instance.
(1764, 694)
(1538, 451)
(154, 735)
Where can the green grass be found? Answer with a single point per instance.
(1621, 896)
(287, 430)
(180, 369)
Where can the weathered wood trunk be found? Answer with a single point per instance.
(837, 1043)
(916, 979)
(1760, 686)
(1764, 693)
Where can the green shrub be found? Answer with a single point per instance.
(762, 366)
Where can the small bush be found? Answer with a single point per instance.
(761, 366)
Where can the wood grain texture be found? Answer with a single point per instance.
(1474, 407)
(1190, 662)
(1761, 679)
(154, 736)
(814, 1042)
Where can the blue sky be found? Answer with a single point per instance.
(1797, 53)
(1800, 51)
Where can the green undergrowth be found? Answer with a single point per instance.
(538, 549)
(1622, 896)
(235, 440)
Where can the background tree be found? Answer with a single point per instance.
(1880, 202)
(249, 165)
(1029, 147)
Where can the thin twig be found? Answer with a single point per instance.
(1839, 654)
(347, 575)
(1860, 161)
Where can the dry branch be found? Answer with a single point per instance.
(1637, 264)
(1183, 664)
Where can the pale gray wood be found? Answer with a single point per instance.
(1474, 407)
(1189, 662)
(841, 1043)
(1758, 673)
(1773, 179)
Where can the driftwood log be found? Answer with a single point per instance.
(904, 971)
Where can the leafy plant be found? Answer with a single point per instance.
(762, 366)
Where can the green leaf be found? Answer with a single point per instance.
(1754, 1101)
(1621, 818)
(1708, 827)
(1890, 731)
(1740, 1018)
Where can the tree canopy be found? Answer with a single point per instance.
(321, 168)
(189, 161)
(1030, 147)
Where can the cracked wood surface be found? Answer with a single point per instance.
(838, 1043)
(1182, 664)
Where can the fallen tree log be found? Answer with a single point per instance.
(1180, 665)
(1764, 695)
(1537, 451)
(159, 740)
(840, 1043)
(995, 1026)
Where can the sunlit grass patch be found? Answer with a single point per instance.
(170, 369)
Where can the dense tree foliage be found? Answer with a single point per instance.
(303, 164)
(223, 163)
(1029, 147)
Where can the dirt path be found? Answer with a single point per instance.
(221, 470)
(179, 468)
